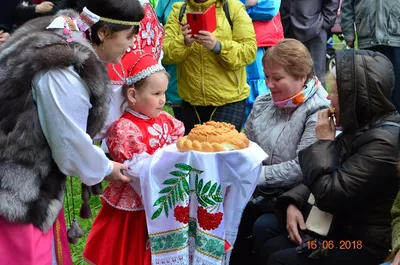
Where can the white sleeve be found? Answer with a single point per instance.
(63, 105)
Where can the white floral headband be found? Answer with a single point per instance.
(82, 23)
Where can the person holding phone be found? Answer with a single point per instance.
(211, 66)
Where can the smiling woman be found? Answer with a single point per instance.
(282, 123)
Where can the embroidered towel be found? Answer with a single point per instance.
(194, 202)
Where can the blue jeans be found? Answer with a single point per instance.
(387, 263)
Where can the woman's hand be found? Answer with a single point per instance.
(294, 220)
(207, 39)
(251, 3)
(3, 36)
(44, 7)
(396, 260)
(116, 175)
(325, 128)
(187, 35)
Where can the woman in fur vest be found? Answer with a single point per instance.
(54, 95)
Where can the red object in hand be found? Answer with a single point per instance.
(202, 21)
(37, 2)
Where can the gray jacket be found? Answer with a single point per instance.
(306, 18)
(377, 22)
(282, 133)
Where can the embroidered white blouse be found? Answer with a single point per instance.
(63, 105)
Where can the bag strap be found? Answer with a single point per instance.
(227, 15)
(182, 11)
(225, 7)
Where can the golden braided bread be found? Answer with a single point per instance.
(213, 136)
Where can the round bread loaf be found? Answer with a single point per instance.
(213, 136)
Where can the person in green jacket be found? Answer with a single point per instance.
(163, 9)
(211, 66)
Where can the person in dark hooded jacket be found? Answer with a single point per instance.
(341, 212)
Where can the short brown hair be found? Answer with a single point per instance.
(292, 56)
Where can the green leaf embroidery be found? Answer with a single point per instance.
(207, 200)
(213, 188)
(185, 185)
(202, 203)
(166, 209)
(219, 189)
(197, 171)
(218, 199)
(156, 213)
(159, 200)
(183, 167)
(206, 187)
(165, 190)
(172, 196)
(170, 202)
(196, 184)
(177, 173)
(171, 181)
(200, 186)
(180, 193)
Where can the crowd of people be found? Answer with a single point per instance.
(74, 72)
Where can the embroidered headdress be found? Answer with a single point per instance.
(142, 60)
(82, 23)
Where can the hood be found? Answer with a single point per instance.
(365, 81)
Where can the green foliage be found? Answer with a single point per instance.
(86, 224)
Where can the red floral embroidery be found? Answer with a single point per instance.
(181, 214)
(208, 221)
(124, 140)
(123, 197)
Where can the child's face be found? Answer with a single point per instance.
(150, 98)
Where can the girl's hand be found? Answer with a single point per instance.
(3, 36)
(116, 175)
(396, 260)
(325, 128)
(207, 39)
(294, 220)
(188, 37)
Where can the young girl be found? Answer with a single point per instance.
(119, 232)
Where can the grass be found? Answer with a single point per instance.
(74, 198)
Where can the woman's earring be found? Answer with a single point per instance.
(102, 46)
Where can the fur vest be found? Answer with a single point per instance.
(31, 185)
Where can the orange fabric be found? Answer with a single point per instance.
(118, 238)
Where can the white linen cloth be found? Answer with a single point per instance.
(223, 181)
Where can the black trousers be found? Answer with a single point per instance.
(232, 113)
(178, 112)
(281, 251)
(273, 247)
